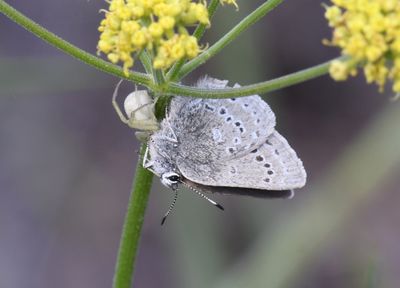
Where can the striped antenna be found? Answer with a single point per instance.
(170, 207)
(204, 196)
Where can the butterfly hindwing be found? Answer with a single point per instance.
(274, 165)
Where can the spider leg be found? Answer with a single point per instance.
(115, 104)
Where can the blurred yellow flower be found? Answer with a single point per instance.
(156, 25)
(369, 32)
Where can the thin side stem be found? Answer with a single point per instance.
(172, 74)
(70, 49)
(146, 61)
(158, 77)
(252, 18)
(131, 230)
(258, 88)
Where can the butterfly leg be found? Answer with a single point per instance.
(146, 160)
(147, 163)
(173, 138)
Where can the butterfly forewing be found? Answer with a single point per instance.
(211, 130)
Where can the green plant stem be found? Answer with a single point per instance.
(133, 225)
(259, 88)
(70, 49)
(172, 74)
(252, 18)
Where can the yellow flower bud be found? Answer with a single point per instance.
(177, 51)
(113, 21)
(139, 39)
(104, 46)
(156, 30)
(338, 70)
(167, 22)
(389, 5)
(137, 11)
(128, 63)
(201, 13)
(333, 15)
(123, 13)
(115, 4)
(159, 63)
(196, 13)
(130, 26)
(395, 46)
(356, 23)
(123, 42)
(191, 47)
(114, 58)
(373, 53)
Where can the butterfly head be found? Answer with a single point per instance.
(171, 180)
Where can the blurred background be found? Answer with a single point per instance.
(67, 162)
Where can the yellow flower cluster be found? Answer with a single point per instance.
(157, 25)
(369, 32)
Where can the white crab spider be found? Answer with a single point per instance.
(139, 108)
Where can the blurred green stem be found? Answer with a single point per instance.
(133, 225)
(280, 256)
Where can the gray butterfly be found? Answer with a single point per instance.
(226, 146)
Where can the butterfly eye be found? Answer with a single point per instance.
(173, 178)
